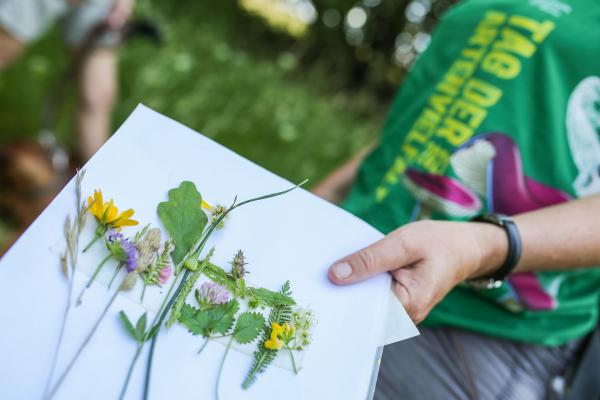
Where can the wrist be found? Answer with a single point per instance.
(492, 243)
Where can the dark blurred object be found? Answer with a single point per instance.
(580, 380)
(143, 28)
(28, 182)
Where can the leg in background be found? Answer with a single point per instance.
(10, 48)
(97, 92)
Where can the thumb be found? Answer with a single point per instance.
(387, 254)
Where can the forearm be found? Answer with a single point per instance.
(561, 237)
(335, 186)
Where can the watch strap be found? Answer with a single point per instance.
(514, 245)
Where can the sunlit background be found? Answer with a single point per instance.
(296, 86)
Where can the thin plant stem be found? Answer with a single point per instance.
(221, 368)
(136, 356)
(87, 286)
(117, 270)
(143, 291)
(130, 371)
(90, 244)
(154, 338)
(84, 344)
(221, 337)
(61, 334)
(204, 345)
(93, 278)
(292, 357)
(166, 306)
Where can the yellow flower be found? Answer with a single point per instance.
(276, 329)
(275, 343)
(206, 206)
(107, 214)
(215, 212)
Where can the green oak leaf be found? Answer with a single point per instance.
(183, 218)
(248, 327)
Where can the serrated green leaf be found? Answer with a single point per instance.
(207, 322)
(140, 328)
(183, 218)
(127, 324)
(195, 321)
(223, 316)
(248, 327)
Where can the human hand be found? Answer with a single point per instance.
(119, 13)
(426, 260)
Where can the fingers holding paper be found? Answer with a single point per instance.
(426, 260)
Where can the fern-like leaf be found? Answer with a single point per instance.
(263, 357)
(219, 276)
(269, 297)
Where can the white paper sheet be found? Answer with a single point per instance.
(293, 237)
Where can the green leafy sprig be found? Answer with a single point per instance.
(263, 357)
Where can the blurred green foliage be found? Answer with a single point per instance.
(298, 106)
(217, 73)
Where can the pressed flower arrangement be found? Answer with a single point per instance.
(223, 307)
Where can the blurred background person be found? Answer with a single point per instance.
(22, 21)
(33, 171)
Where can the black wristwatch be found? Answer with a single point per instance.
(514, 250)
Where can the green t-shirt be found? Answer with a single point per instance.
(501, 114)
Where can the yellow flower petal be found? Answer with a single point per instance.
(125, 222)
(123, 216)
(206, 206)
(276, 329)
(98, 203)
(111, 212)
(95, 205)
(274, 344)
